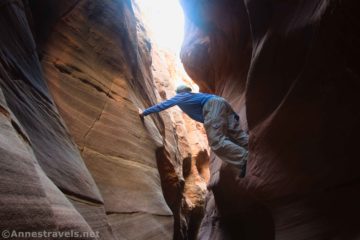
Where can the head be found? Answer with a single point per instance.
(183, 88)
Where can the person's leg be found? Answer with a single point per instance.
(240, 137)
(236, 133)
(216, 114)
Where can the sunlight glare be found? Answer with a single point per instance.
(166, 20)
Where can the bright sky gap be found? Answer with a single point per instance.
(166, 20)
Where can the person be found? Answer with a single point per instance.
(226, 139)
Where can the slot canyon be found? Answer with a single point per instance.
(76, 156)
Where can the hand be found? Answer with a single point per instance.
(141, 114)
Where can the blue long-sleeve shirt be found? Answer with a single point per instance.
(191, 103)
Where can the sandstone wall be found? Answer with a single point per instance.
(183, 181)
(41, 168)
(186, 140)
(290, 69)
(92, 64)
(73, 75)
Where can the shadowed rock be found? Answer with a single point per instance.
(291, 72)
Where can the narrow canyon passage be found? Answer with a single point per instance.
(76, 157)
(75, 101)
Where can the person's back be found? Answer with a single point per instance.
(190, 103)
(222, 126)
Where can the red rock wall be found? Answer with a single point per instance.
(42, 172)
(186, 142)
(184, 182)
(95, 72)
(290, 69)
(87, 65)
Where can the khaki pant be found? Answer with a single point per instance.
(224, 134)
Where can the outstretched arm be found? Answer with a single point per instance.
(163, 105)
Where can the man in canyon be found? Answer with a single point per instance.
(227, 140)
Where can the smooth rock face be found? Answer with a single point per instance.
(291, 71)
(28, 98)
(148, 226)
(74, 152)
(89, 63)
(36, 150)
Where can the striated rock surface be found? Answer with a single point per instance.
(183, 182)
(74, 152)
(94, 68)
(36, 149)
(186, 141)
(291, 71)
